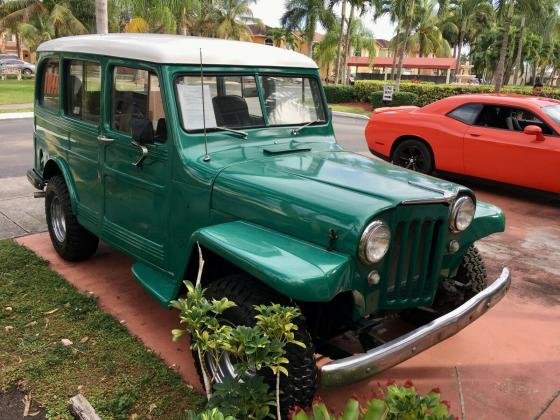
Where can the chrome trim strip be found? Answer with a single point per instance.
(360, 366)
(447, 196)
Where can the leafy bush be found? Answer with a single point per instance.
(429, 92)
(254, 349)
(399, 99)
(394, 403)
(339, 93)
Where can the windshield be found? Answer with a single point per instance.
(233, 101)
(553, 111)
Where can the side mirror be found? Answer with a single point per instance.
(142, 131)
(534, 130)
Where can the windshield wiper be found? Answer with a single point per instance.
(296, 131)
(243, 134)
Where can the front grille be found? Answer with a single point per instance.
(414, 262)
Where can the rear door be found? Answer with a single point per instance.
(136, 201)
(496, 148)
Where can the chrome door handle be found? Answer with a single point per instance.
(143, 156)
(104, 139)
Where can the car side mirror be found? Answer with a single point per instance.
(534, 130)
(142, 131)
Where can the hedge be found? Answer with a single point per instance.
(428, 92)
(340, 93)
(399, 98)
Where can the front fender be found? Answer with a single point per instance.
(292, 267)
(488, 219)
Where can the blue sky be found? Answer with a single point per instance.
(269, 11)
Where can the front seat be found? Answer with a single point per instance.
(231, 111)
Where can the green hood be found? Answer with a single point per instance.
(307, 193)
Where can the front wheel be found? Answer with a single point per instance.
(70, 240)
(27, 72)
(296, 389)
(470, 279)
(413, 154)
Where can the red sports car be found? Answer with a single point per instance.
(508, 138)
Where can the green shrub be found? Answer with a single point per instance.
(339, 93)
(429, 92)
(399, 99)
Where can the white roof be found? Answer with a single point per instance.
(178, 49)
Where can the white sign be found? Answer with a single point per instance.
(191, 107)
(388, 93)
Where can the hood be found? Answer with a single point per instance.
(306, 194)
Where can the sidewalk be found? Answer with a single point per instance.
(20, 213)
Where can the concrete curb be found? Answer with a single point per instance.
(350, 115)
(15, 115)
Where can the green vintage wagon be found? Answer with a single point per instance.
(140, 144)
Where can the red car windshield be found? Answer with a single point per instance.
(553, 111)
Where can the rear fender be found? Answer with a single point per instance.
(57, 165)
(294, 268)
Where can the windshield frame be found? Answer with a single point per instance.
(257, 75)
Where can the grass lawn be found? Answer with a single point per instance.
(5, 111)
(115, 372)
(14, 91)
(352, 108)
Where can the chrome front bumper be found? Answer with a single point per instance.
(364, 365)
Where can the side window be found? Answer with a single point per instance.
(136, 96)
(489, 117)
(50, 85)
(466, 113)
(520, 118)
(83, 90)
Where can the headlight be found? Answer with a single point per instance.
(462, 214)
(374, 242)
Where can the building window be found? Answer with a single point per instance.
(268, 41)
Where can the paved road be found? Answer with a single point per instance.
(16, 141)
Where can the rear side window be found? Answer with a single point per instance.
(50, 85)
(83, 89)
(466, 113)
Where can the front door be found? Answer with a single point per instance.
(136, 195)
(496, 148)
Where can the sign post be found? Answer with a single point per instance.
(388, 94)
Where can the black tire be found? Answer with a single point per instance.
(413, 154)
(27, 72)
(470, 279)
(296, 389)
(73, 242)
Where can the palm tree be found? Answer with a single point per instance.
(283, 37)
(332, 3)
(361, 7)
(506, 9)
(427, 38)
(467, 13)
(59, 16)
(304, 15)
(233, 18)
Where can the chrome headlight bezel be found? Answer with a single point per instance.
(377, 226)
(456, 208)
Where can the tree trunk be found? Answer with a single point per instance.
(401, 56)
(459, 49)
(18, 45)
(339, 47)
(517, 63)
(101, 19)
(499, 74)
(395, 53)
(347, 46)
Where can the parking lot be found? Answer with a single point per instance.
(506, 365)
